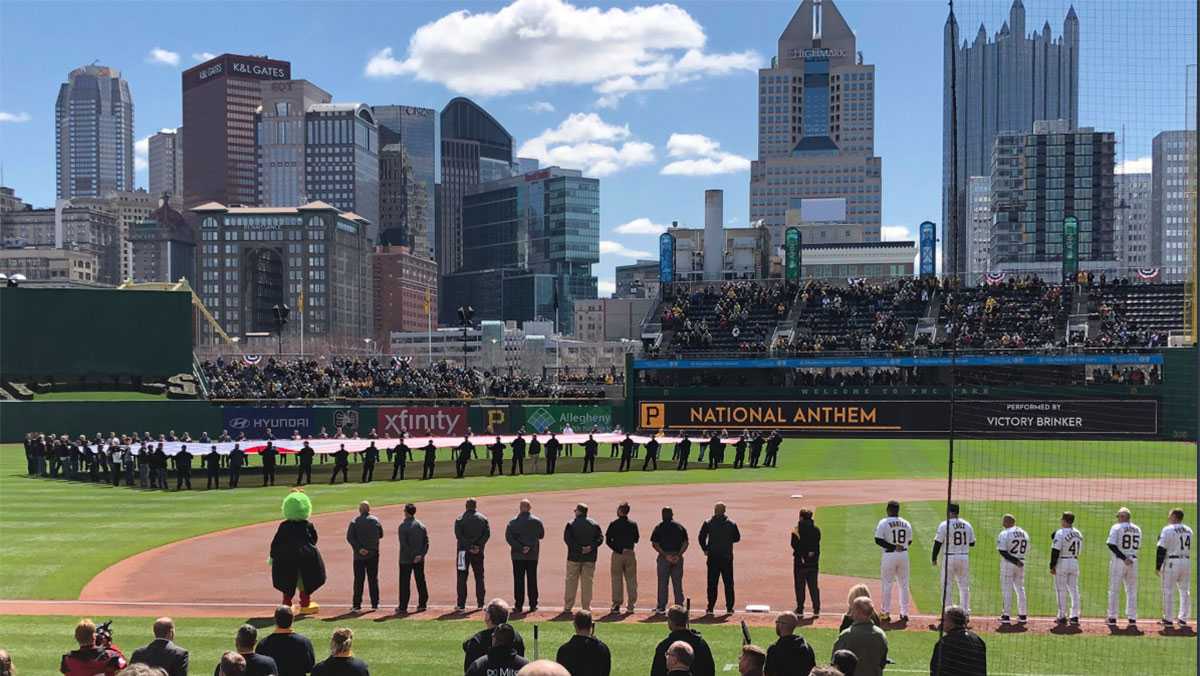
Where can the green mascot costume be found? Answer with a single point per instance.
(295, 560)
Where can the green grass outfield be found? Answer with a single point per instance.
(393, 647)
(41, 519)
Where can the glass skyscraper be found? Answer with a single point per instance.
(407, 176)
(341, 159)
(281, 141)
(93, 123)
(1003, 85)
(528, 241)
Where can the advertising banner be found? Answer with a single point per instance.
(282, 421)
(580, 418)
(1097, 417)
(792, 244)
(1128, 417)
(1070, 250)
(434, 421)
(666, 258)
(491, 419)
(928, 247)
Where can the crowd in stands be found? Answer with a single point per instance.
(1020, 313)
(1119, 329)
(734, 316)
(860, 316)
(367, 377)
(1129, 375)
(861, 647)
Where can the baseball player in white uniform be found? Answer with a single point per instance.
(1173, 563)
(1013, 545)
(958, 537)
(1065, 550)
(1124, 541)
(894, 535)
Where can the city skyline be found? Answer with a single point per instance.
(659, 130)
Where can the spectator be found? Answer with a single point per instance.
(543, 668)
(477, 646)
(864, 639)
(253, 663)
(231, 664)
(524, 536)
(162, 652)
(856, 592)
(844, 660)
(341, 660)
(677, 624)
(6, 667)
(501, 657)
(827, 671)
(292, 652)
(679, 658)
(364, 534)
(139, 669)
(960, 651)
(752, 661)
(584, 654)
(95, 655)
(791, 655)
(582, 536)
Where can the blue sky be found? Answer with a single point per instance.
(658, 99)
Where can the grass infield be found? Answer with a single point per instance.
(103, 395)
(393, 647)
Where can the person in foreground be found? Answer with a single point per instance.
(701, 662)
(97, 654)
(293, 652)
(678, 659)
(584, 654)
(162, 652)
(791, 655)
(341, 660)
(752, 661)
(960, 651)
(864, 639)
(502, 657)
(495, 614)
(543, 668)
(255, 664)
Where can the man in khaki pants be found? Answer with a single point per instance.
(582, 536)
(621, 537)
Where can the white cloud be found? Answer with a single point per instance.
(13, 117)
(540, 107)
(618, 249)
(141, 154)
(699, 155)
(586, 142)
(1141, 165)
(606, 288)
(203, 56)
(162, 56)
(640, 226)
(534, 43)
(892, 233)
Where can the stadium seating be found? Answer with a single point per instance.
(1134, 315)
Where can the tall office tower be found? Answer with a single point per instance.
(281, 141)
(93, 123)
(130, 207)
(164, 247)
(1038, 180)
(529, 243)
(475, 149)
(1003, 85)
(1133, 233)
(1174, 158)
(816, 124)
(979, 229)
(341, 159)
(407, 139)
(220, 99)
(166, 164)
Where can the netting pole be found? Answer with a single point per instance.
(949, 495)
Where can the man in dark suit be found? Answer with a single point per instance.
(162, 651)
(430, 460)
(269, 455)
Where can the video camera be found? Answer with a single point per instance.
(104, 635)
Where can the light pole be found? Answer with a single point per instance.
(281, 313)
(465, 313)
(367, 345)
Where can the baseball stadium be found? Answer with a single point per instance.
(103, 516)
